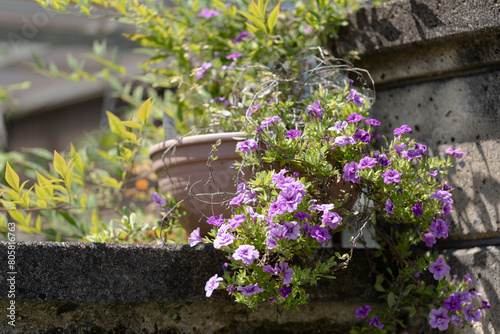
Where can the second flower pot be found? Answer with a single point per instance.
(182, 169)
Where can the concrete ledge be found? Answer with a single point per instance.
(118, 288)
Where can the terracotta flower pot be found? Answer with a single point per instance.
(181, 166)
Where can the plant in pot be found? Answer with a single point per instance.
(309, 146)
(197, 51)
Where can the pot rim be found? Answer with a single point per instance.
(195, 140)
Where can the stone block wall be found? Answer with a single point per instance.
(436, 68)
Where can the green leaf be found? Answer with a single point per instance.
(115, 124)
(60, 165)
(391, 299)
(145, 111)
(12, 178)
(273, 18)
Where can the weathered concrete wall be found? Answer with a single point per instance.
(436, 67)
(116, 288)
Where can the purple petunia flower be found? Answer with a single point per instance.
(391, 176)
(362, 311)
(452, 303)
(280, 270)
(343, 141)
(465, 296)
(439, 269)
(320, 233)
(155, 197)
(223, 237)
(285, 291)
(292, 230)
(246, 253)
(429, 239)
(351, 172)
(354, 118)
(331, 219)
(234, 56)
(440, 228)
(292, 134)
(399, 148)
(194, 237)
(201, 71)
(208, 13)
(375, 321)
(456, 153)
(212, 284)
(355, 97)
(215, 220)
(367, 162)
(302, 215)
(470, 314)
(362, 136)
(316, 110)
(389, 207)
(402, 129)
(372, 122)
(439, 319)
(247, 146)
(241, 37)
(433, 173)
(250, 289)
(484, 304)
(417, 209)
(447, 209)
(256, 107)
(456, 320)
(236, 221)
(381, 158)
(339, 126)
(442, 196)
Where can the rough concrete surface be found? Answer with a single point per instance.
(72, 287)
(436, 67)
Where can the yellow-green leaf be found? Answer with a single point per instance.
(273, 18)
(115, 124)
(12, 178)
(145, 111)
(38, 224)
(17, 216)
(132, 124)
(60, 165)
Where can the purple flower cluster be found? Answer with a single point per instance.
(281, 270)
(439, 268)
(208, 13)
(355, 97)
(247, 146)
(456, 153)
(212, 284)
(234, 56)
(391, 176)
(241, 37)
(250, 289)
(315, 110)
(456, 302)
(245, 195)
(201, 71)
(246, 253)
(292, 134)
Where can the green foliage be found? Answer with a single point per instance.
(63, 190)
